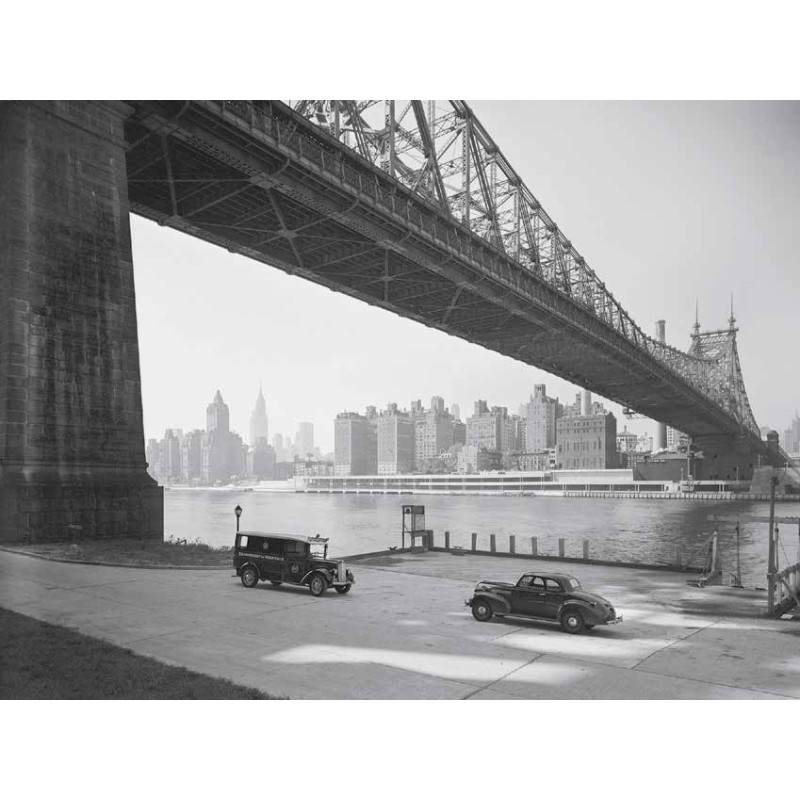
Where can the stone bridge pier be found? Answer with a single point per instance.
(72, 458)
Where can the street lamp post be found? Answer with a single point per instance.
(238, 512)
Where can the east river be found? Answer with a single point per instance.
(642, 531)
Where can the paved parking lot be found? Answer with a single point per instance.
(404, 631)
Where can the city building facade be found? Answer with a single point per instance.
(396, 442)
(587, 442)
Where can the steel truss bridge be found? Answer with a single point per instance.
(411, 206)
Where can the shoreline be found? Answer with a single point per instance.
(562, 493)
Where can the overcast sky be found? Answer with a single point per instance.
(669, 203)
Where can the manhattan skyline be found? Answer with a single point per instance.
(673, 205)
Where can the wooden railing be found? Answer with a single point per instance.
(784, 590)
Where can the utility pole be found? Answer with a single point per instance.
(771, 566)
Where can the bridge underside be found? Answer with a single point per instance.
(262, 182)
(273, 187)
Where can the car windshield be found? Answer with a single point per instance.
(319, 549)
(574, 584)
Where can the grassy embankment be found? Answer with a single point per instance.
(39, 661)
(142, 552)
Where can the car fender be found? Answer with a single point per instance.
(311, 573)
(590, 614)
(249, 564)
(499, 604)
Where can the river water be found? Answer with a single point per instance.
(642, 531)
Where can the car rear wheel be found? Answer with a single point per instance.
(482, 610)
(343, 589)
(249, 577)
(276, 583)
(572, 621)
(317, 585)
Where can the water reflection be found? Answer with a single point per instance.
(625, 530)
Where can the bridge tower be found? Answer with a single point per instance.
(726, 457)
(661, 432)
(71, 435)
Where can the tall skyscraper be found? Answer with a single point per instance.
(304, 441)
(455, 410)
(278, 446)
(355, 445)
(437, 404)
(259, 423)
(218, 416)
(216, 446)
(396, 441)
(433, 435)
(541, 414)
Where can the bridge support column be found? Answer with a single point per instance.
(71, 435)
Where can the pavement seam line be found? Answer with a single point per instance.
(502, 677)
(672, 644)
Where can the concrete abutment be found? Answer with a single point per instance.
(71, 434)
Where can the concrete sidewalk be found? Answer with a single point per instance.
(404, 631)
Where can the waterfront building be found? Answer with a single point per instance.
(459, 432)
(433, 435)
(587, 442)
(541, 415)
(791, 436)
(355, 445)
(237, 460)
(528, 462)
(284, 470)
(261, 461)
(215, 446)
(396, 441)
(472, 458)
(574, 409)
(259, 422)
(626, 441)
(304, 441)
(192, 457)
(313, 467)
(218, 416)
(171, 455)
(153, 456)
(493, 429)
(644, 444)
(520, 422)
(677, 440)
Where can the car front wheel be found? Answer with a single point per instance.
(482, 610)
(572, 621)
(249, 577)
(317, 585)
(343, 589)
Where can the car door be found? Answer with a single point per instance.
(528, 596)
(554, 597)
(296, 561)
(272, 559)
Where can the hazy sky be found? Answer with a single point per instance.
(670, 203)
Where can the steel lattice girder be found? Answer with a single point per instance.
(440, 150)
(301, 184)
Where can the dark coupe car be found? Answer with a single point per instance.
(543, 595)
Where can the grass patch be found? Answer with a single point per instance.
(39, 661)
(141, 552)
